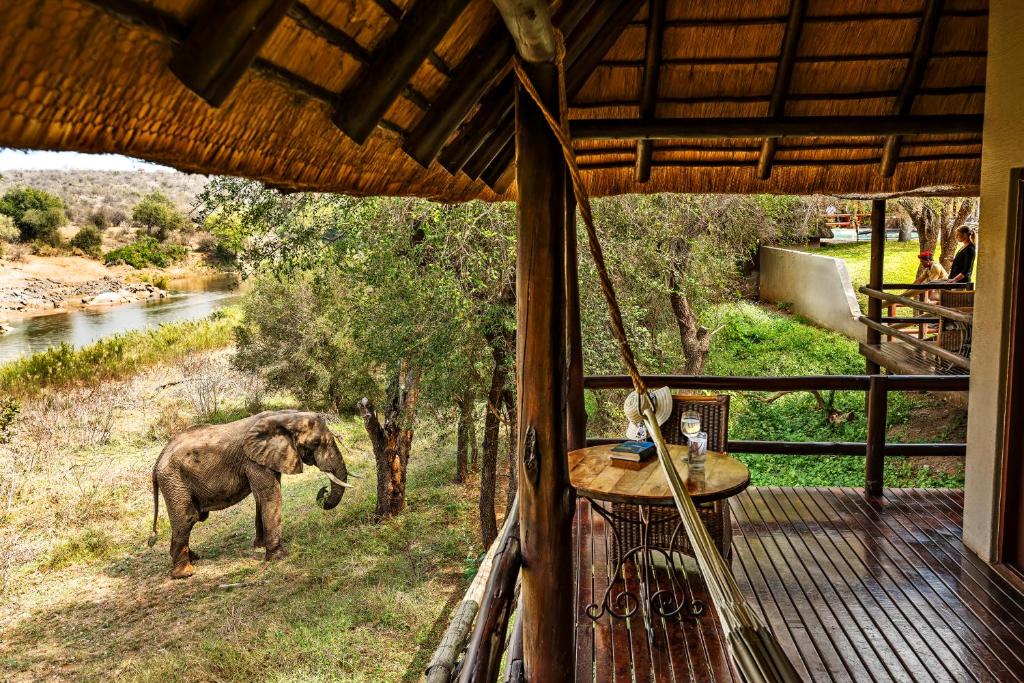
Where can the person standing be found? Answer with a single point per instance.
(930, 271)
(963, 262)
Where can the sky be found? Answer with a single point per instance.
(22, 160)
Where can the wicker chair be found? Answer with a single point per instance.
(953, 335)
(714, 420)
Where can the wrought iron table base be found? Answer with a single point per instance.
(625, 603)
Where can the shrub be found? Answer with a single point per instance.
(8, 230)
(98, 219)
(146, 251)
(37, 214)
(157, 215)
(89, 240)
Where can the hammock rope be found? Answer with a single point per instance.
(754, 648)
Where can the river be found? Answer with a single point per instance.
(188, 299)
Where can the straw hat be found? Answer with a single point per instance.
(662, 399)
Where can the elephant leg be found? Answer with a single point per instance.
(183, 515)
(259, 542)
(266, 489)
(181, 556)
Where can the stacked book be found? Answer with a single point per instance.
(633, 451)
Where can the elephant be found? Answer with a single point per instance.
(212, 467)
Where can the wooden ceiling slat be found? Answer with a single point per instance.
(649, 89)
(818, 126)
(923, 47)
(222, 43)
(364, 104)
(581, 30)
(314, 23)
(590, 55)
(783, 76)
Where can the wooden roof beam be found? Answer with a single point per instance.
(783, 76)
(649, 88)
(470, 81)
(529, 23)
(362, 105)
(797, 126)
(222, 42)
(582, 58)
(579, 22)
(912, 80)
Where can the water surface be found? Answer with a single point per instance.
(189, 298)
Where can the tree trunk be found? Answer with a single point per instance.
(465, 436)
(474, 444)
(489, 458)
(513, 460)
(694, 337)
(392, 439)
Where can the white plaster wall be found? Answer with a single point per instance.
(1002, 150)
(818, 288)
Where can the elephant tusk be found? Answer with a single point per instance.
(353, 475)
(337, 481)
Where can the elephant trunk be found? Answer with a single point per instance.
(329, 499)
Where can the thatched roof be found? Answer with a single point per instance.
(100, 76)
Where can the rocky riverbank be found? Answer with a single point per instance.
(39, 294)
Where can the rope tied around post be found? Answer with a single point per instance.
(754, 648)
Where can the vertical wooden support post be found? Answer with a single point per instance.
(878, 408)
(546, 500)
(875, 277)
(576, 412)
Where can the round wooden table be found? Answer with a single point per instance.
(594, 475)
(642, 527)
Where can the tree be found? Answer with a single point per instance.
(354, 297)
(37, 214)
(937, 220)
(8, 230)
(157, 215)
(89, 240)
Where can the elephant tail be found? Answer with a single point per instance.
(156, 509)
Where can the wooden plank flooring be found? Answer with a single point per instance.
(856, 589)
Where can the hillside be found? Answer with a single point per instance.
(116, 192)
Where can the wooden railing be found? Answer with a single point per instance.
(890, 326)
(876, 387)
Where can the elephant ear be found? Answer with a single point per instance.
(269, 442)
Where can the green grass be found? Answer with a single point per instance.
(117, 356)
(355, 600)
(758, 341)
(900, 263)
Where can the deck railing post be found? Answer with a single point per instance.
(878, 408)
(876, 274)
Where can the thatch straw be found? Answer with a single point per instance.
(80, 78)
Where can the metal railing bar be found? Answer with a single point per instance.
(926, 346)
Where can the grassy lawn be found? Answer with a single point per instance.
(355, 600)
(900, 264)
(756, 340)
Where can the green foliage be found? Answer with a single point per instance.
(145, 252)
(8, 230)
(89, 240)
(9, 409)
(99, 220)
(228, 233)
(37, 214)
(157, 215)
(88, 546)
(116, 356)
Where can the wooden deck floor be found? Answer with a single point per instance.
(856, 590)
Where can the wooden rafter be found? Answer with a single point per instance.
(649, 88)
(912, 79)
(583, 55)
(471, 79)
(793, 162)
(754, 60)
(580, 21)
(778, 19)
(783, 75)
(222, 42)
(361, 106)
(801, 126)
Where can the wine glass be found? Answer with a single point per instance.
(689, 423)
